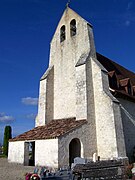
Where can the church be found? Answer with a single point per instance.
(86, 103)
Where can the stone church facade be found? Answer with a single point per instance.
(86, 103)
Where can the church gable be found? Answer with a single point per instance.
(71, 32)
(67, 25)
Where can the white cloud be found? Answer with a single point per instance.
(31, 116)
(127, 23)
(6, 118)
(30, 101)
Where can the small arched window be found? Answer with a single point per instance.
(73, 27)
(62, 33)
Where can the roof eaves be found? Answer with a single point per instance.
(124, 95)
(85, 121)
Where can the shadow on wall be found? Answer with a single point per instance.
(128, 121)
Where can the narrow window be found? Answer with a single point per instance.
(129, 89)
(113, 82)
(62, 33)
(133, 90)
(73, 27)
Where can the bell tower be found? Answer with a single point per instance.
(63, 86)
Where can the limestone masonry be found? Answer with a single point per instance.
(86, 103)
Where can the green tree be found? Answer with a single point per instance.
(7, 136)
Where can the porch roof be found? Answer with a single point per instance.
(51, 130)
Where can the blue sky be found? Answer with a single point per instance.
(26, 29)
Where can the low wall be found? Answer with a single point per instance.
(111, 169)
(46, 153)
(16, 152)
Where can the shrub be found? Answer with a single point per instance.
(7, 136)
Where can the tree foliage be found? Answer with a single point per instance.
(7, 136)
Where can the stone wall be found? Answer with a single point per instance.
(91, 118)
(81, 94)
(50, 96)
(63, 92)
(46, 152)
(128, 120)
(106, 129)
(40, 119)
(16, 152)
(119, 130)
(46, 98)
(81, 133)
(64, 57)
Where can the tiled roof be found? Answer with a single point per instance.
(123, 94)
(51, 130)
(124, 77)
(121, 72)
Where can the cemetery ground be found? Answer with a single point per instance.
(13, 171)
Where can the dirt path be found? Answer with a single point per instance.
(12, 171)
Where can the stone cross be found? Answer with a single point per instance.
(68, 3)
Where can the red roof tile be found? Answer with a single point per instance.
(121, 72)
(51, 130)
(124, 95)
(123, 76)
